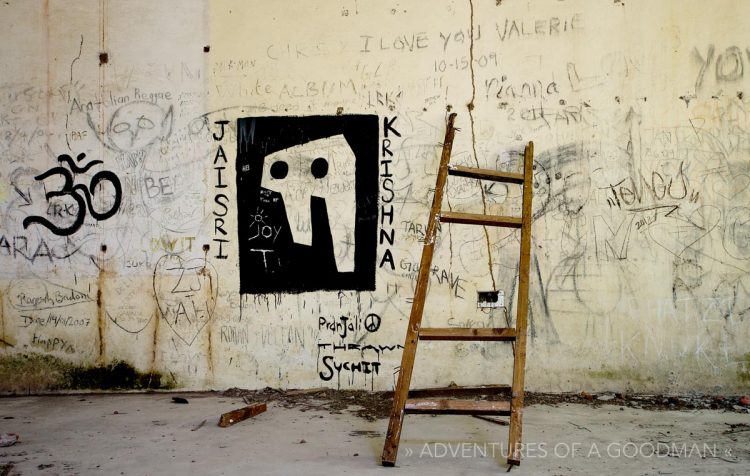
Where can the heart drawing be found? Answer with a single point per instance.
(186, 292)
(124, 303)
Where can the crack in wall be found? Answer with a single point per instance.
(470, 107)
(70, 89)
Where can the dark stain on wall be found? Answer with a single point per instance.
(35, 373)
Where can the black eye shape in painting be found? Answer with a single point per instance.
(307, 193)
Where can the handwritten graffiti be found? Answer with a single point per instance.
(135, 126)
(346, 348)
(386, 209)
(32, 248)
(38, 295)
(81, 194)
(667, 185)
(124, 303)
(220, 198)
(344, 325)
(736, 238)
(186, 293)
(728, 66)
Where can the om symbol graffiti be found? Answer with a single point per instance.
(78, 192)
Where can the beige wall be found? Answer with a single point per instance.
(641, 244)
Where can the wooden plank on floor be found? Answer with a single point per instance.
(236, 416)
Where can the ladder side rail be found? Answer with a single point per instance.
(519, 358)
(390, 449)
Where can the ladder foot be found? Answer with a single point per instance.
(388, 464)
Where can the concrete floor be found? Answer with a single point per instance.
(148, 434)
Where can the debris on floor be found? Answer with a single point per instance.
(179, 400)
(8, 439)
(372, 406)
(737, 427)
(150, 440)
(492, 420)
(236, 416)
(199, 426)
(6, 468)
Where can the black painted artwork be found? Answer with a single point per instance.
(81, 194)
(307, 192)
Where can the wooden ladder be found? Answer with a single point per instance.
(414, 333)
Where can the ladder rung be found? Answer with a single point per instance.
(485, 174)
(478, 219)
(456, 407)
(467, 333)
(459, 391)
